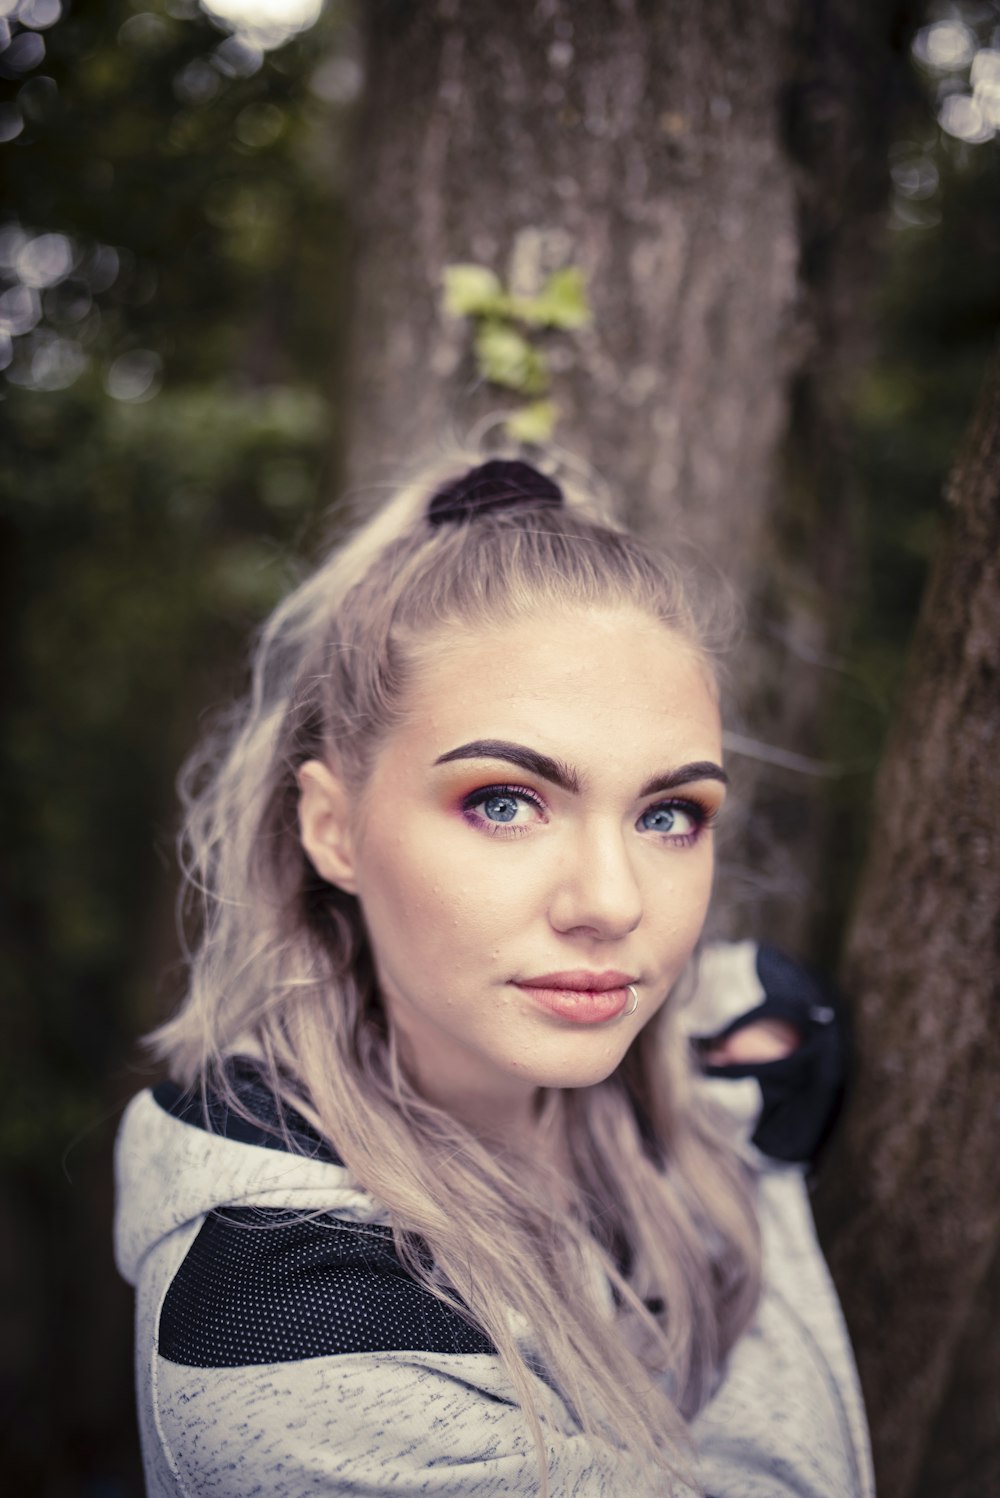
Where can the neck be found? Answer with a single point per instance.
(527, 1126)
(501, 1118)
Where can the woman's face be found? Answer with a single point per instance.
(534, 836)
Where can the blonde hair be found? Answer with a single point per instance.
(280, 960)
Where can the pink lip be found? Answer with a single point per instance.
(580, 980)
(582, 997)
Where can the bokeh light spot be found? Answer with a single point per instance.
(338, 80)
(12, 241)
(198, 82)
(265, 24)
(45, 260)
(20, 310)
(985, 66)
(238, 57)
(55, 364)
(39, 15)
(100, 270)
(961, 116)
(914, 174)
(11, 122)
(145, 33)
(26, 51)
(134, 376)
(259, 125)
(38, 98)
(945, 45)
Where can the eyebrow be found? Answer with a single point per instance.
(564, 776)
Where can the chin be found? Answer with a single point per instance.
(578, 1071)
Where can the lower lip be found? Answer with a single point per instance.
(579, 1006)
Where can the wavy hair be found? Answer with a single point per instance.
(280, 965)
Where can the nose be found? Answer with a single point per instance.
(596, 891)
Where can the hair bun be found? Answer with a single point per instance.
(499, 484)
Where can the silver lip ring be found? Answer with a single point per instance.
(634, 994)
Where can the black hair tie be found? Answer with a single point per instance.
(496, 485)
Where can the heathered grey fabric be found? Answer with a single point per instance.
(786, 1420)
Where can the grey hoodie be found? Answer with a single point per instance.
(287, 1355)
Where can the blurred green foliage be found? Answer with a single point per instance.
(167, 433)
(937, 318)
(503, 325)
(171, 278)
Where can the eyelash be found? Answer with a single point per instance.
(702, 816)
(499, 829)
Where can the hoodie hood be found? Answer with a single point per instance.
(179, 1156)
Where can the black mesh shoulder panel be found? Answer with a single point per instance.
(269, 1286)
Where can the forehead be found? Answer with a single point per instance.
(598, 686)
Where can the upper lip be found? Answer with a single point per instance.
(580, 980)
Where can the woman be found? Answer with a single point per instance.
(436, 1203)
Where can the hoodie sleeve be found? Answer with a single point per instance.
(360, 1426)
(815, 1442)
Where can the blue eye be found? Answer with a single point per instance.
(506, 810)
(500, 808)
(681, 821)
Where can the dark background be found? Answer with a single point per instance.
(174, 261)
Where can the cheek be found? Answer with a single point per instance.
(678, 899)
(423, 908)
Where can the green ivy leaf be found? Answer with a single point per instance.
(561, 303)
(534, 423)
(473, 291)
(505, 357)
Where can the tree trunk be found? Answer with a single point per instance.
(910, 1207)
(715, 171)
(642, 145)
(963, 1450)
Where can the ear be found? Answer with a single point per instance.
(325, 825)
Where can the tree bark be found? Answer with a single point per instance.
(963, 1451)
(910, 1207)
(717, 171)
(642, 144)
